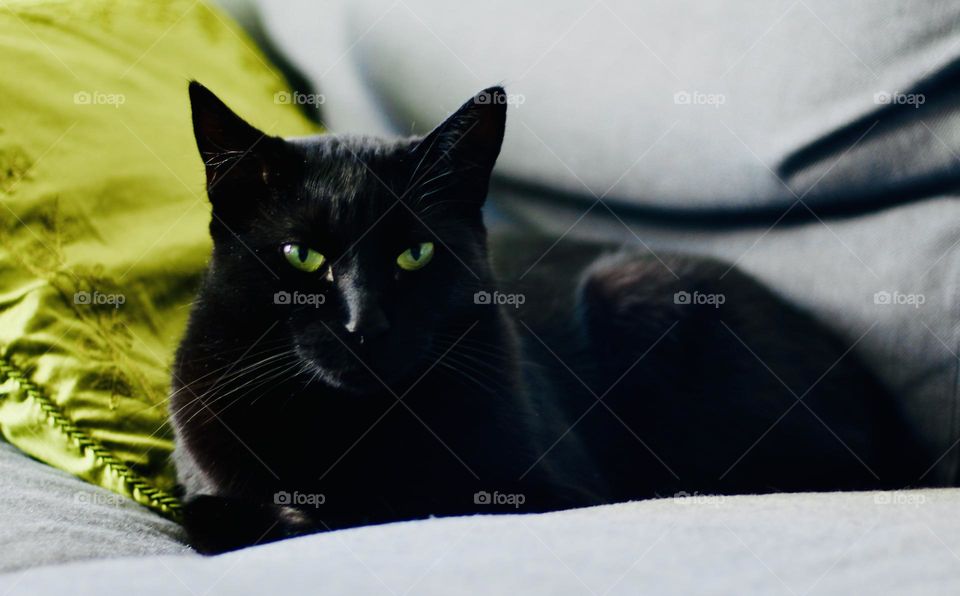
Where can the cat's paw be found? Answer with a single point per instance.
(218, 524)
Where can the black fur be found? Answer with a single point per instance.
(403, 396)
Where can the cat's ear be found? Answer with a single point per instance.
(466, 144)
(235, 154)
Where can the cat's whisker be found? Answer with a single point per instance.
(249, 386)
(227, 371)
(423, 185)
(454, 358)
(410, 182)
(224, 383)
(466, 376)
(421, 196)
(495, 367)
(225, 366)
(494, 351)
(476, 345)
(314, 376)
(435, 205)
(208, 399)
(495, 386)
(469, 340)
(265, 346)
(228, 366)
(198, 398)
(497, 364)
(281, 376)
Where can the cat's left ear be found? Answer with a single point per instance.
(466, 144)
(235, 153)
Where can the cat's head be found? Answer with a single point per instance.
(359, 254)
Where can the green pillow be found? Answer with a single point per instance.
(103, 221)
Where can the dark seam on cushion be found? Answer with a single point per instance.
(955, 435)
(951, 453)
(157, 499)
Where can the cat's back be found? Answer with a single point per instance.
(673, 343)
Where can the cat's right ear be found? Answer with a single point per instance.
(467, 144)
(236, 155)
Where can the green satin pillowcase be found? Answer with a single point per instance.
(103, 222)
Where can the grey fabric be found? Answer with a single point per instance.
(599, 100)
(316, 36)
(841, 543)
(845, 543)
(50, 517)
(778, 90)
(246, 15)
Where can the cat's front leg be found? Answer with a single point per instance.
(219, 524)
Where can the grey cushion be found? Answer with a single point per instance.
(681, 105)
(49, 517)
(844, 543)
(841, 543)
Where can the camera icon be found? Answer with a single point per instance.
(282, 498)
(483, 98)
(281, 297)
(482, 297)
(82, 297)
(883, 297)
(282, 97)
(481, 498)
(682, 98)
(881, 97)
(82, 98)
(681, 297)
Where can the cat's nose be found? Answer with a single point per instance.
(366, 323)
(365, 318)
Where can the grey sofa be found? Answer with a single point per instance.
(64, 536)
(786, 137)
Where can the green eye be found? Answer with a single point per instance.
(302, 258)
(416, 257)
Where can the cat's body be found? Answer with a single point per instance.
(557, 376)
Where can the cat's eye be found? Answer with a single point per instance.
(416, 257)
(302, 258)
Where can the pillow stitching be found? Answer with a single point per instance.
(155, 498)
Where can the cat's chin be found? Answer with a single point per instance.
(354, 382)
(357, 383)
(350, 376)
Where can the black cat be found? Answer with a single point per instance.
(355, 356)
